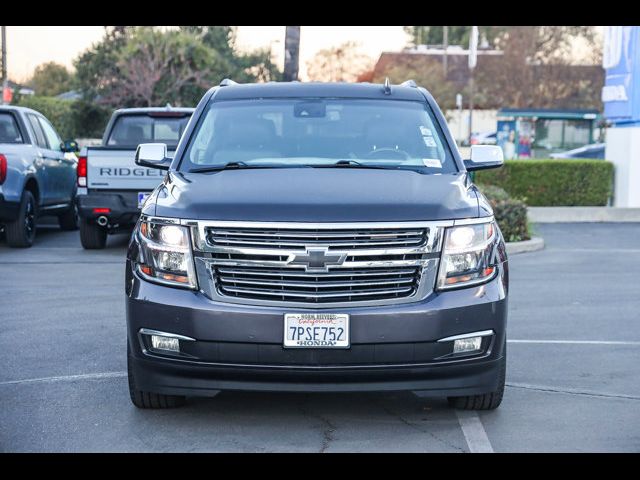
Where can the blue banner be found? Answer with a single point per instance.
(621, 61)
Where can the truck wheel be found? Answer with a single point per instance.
(69, 219)
(92, 236)
(487, 401)
(22, 231)
(147, 399)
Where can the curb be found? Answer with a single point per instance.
(533, 245)
(582, 214)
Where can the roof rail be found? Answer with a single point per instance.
(409, 83)
(226, 82)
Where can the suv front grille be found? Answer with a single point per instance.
(317, 265)
(339, 239)
(296, 285)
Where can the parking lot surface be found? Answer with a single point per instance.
(573, 377)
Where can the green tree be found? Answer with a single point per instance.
(139, 66)
(50, 79)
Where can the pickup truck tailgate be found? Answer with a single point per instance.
(115, 169)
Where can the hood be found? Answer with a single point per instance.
(316, 195)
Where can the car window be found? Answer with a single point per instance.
(311, 131)
(52, 137)
(37, 131)
(132, 130)
(9, 131)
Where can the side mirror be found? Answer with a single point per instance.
(483, 157)
(153, 155)
(69, 146)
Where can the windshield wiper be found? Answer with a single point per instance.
(237, 165)
(350, 164)
(215, 168)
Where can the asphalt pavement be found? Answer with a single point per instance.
(573, 371)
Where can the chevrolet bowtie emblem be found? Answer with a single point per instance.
(317, 259)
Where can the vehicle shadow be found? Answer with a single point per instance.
(317, 422)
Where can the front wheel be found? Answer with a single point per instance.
(486, 401)
(145, 400)
(22, 231)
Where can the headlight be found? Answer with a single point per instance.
(165, 254)
(466, 256)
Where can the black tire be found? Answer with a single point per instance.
(487, 401)
(22, 231)
(68, 220)
(92, 235)
(148, 399)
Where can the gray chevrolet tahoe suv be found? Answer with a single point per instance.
(318, 238)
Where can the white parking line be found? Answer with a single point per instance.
(66, 378)
(474, 432)
(578, 342)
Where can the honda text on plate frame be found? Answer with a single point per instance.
(318, 237)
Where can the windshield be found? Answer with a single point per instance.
(319, 132)
(131, 130)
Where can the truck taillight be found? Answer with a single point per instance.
(3, 168)
(82, 171)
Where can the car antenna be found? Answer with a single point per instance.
(227, 82)
(387, 87)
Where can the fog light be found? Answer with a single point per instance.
(165, 343)
(467, 344)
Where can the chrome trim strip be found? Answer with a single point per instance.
(473, 221)
(148, 331)
(483, 333)
(57, 205)
(319, 225)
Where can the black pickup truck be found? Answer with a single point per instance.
(318, 238)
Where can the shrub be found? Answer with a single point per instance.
(510, 213)
(554, 182)
(58, 112)
(71, 119)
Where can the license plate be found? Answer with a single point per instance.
(316, 330)
(142, 197)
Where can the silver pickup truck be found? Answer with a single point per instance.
(111, 187)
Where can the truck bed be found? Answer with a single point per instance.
(113, 168)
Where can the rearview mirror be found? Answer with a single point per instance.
(69, 146)
(153, 155)
(483, 157)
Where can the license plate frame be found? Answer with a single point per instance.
(326, 330)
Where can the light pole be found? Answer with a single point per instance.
(291, 53)
(4, 63)
(473, 59)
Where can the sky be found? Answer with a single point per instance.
(28, 47)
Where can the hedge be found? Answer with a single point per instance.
(553, 182)
(71, 119)
(510, 213)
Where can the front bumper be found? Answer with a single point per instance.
(239, 347)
